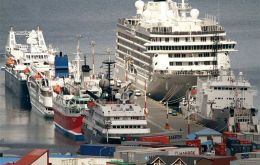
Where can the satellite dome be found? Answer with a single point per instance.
(104, 83)
(33, 34)
(194, 13)
(139, 4)
(118, 96)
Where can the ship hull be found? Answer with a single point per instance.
(218, 121)
(162, 87)
(69, 126)
(19, 90)
(92, 137)
(38, 106)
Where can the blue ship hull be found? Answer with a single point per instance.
(18, 88)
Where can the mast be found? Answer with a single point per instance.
(77, 60)
(93, 43)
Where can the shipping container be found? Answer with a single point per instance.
(220, 149)
(256, 145)
(139, 143)
(230, 141)
(160, 139)
(256, 137)
(240, 136)
(97, 149)
(248, 136)
(228, 135)
(240, 148)
(119, 163)
(243, 141)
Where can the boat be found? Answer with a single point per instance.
(224, 103)
(70, 101)
(19, 56)
(43, 79)
(166, 46)
(114, 114)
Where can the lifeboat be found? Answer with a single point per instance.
(57, 89)
(37, 76)
(26, 71)
(10, 61)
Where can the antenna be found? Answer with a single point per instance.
(93, 43)
(77, 59)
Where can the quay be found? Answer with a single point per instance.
(157, 118)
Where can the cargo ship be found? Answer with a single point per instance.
(224, 103)
(166, 46)
(19, 56)
(114, 114)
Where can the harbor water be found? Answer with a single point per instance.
(62, 20)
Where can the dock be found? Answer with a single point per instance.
(157, 118)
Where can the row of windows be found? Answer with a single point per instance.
(187, 39)
(221, 98)
(130, 52)
(195, 47)
(229, 88)
(127, 118)
(36, 56)
(177, 55)
(130, 38)
(127, 126)
(192, 63)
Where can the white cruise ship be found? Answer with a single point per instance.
(24, 48)
(223, 103)
(166, 45)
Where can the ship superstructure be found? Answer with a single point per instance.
(167, 45)
(23, 49)
(224, 103)
(114, 114)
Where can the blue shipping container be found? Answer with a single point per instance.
(231, 141)
(97, 150)
(240, 148)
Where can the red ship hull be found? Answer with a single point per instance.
(69, 125)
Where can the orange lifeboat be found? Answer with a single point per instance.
(26, 71)
(10, 61)
(57, 89)
(37, 76)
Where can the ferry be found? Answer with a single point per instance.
(19, 56)
(167, 45)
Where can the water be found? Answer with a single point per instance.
(62, 20)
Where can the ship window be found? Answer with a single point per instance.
(176, 39)
(177, 55)
(166, 39)
(114, 126)
(196, 63)
(203, 39)
(183, 55)
(193, 39)
(206, 62)
(170, 55)
(130, 126)
(190, 63)
(117, 126)
(179, 63)
(200, 55)
(186, 39)
(171, 64)
(116, 118)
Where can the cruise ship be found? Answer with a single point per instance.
(167, 45)
(224, 103)
(22, 49)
